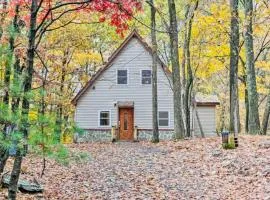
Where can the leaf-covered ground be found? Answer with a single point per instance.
(190, 169)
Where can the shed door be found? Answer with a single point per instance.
(208, 120)
(126, 123)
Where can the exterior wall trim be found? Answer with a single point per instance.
(141, 129)
(98, 129)
(208, 104)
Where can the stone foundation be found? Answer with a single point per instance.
(148, 134)
(106, 136)
(94, 136)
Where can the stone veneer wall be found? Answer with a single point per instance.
(163, 135)
(94, 136)
(105, 135)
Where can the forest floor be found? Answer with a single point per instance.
(189, 169)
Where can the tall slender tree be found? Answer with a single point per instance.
(173, 33)
(155, 138)
(12, 191)
(253, 117)
(59, 114)
(234, 58)
(186, 63)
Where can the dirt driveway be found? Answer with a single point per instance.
(190, 169)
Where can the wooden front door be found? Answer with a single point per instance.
(126, 123)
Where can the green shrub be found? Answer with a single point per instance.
(230, 145)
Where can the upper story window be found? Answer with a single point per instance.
(122, 77)
(163, 118)
(146, 77)
(104, 118)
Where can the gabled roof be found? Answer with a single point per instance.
(207, 100)
(133, 34)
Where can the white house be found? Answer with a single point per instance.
(120, 96)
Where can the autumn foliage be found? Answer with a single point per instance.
(117, 12)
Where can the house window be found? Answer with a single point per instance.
(122, 77)
(163, 118)
(104, 118)
(146, 77)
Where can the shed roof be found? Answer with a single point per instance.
(207, 100)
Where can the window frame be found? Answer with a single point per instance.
(164, 118)
(141, 77)
(117, 76)
(110, 118)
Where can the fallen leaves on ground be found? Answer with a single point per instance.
(188, 169)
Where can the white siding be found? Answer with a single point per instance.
(133, 57)
(207, 115)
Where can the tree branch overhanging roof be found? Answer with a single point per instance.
(133, 34)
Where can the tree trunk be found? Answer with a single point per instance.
(178, 120)
(253, 117)
(15, 174)
(222, 116)
(266, 115)
(189, 80)
(184, 74)
(155, 138)
(25, 103)
(3, 159)
(16, 80)
(246, 106)
(30, 66)
(59, 116)
(234, 58)
(244, 81)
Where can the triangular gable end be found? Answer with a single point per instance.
(133, 34)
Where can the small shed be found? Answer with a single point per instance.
(205, 106)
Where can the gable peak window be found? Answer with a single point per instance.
(163, 118)
(104, 118)
(146, 77)
(122, 77)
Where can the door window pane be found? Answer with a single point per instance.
(125, 121)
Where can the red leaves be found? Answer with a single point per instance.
(116, 12)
